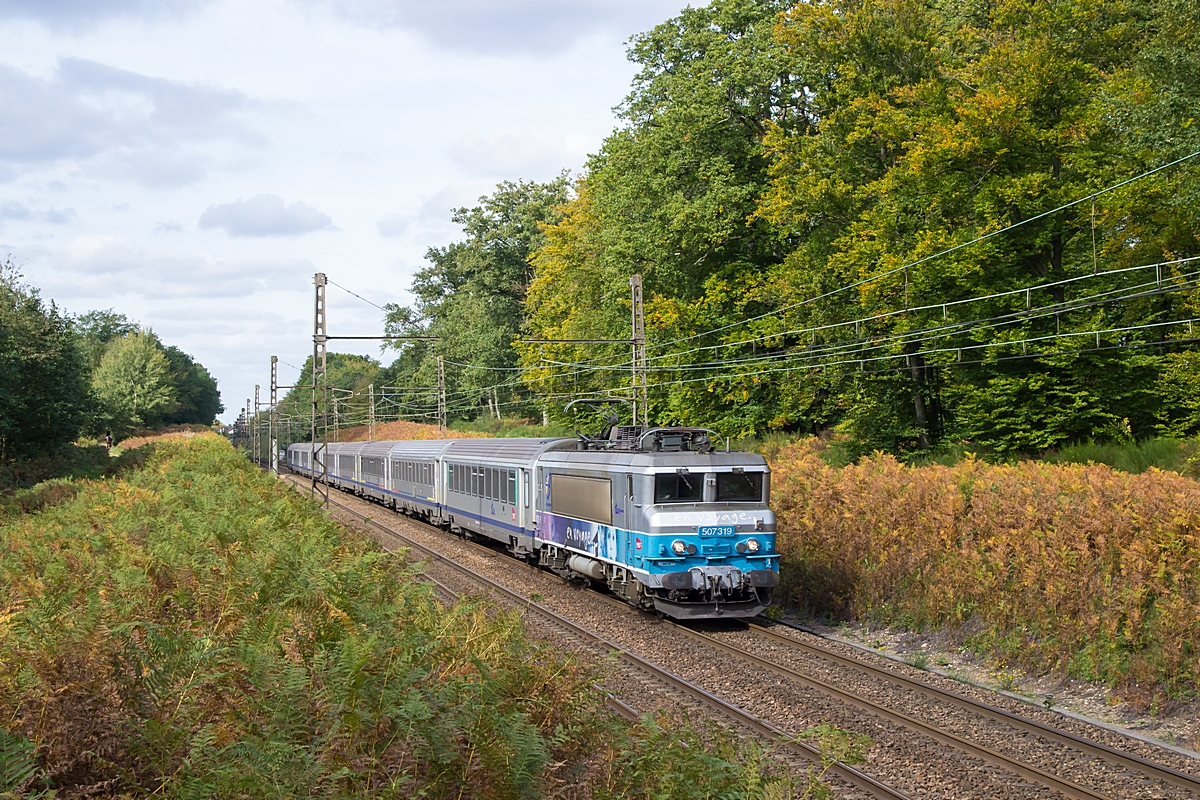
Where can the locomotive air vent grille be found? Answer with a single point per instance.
(626, 435)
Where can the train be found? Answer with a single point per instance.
(662, 517)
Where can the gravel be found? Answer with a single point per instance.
(908, 761)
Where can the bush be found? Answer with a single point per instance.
(196, 629)
(1081, 569)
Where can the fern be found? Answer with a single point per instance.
(18, 768)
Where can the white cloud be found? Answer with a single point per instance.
(14, 210)
(433, 220)
(152, 167)
(265, 215)
(392, 225)
(515, 26)
(135, 123)
(98, 269)
(519, 153)
(140, 114)
(76, 15)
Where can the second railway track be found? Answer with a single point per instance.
(1014, 757)
(865, 785)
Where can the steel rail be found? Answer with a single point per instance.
(859, 780)
(1130, 761)
(1103, 752)
(1026, 771)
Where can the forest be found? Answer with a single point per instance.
(918, 223)
(64, 376)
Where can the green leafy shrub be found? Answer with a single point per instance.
(196, 629)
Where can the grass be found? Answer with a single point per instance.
(192, 628)
(1164, 453)
(917, 660)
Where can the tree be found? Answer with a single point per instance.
(43, 372)
(672, 196)
(472, 294)
(197, 399)
(98, 328)
(133, 383)
(345, 375)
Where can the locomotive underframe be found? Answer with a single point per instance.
(712, 592)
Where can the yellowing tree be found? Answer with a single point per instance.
(133, 383)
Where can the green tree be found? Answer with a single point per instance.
(98, 329)
(133, 383)
(671, 196)
(197, 399)
(938, 125)
(472, 295)
(347, 377)
(43, 372)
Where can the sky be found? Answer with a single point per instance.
(193, 163)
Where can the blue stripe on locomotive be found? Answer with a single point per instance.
(651, 552)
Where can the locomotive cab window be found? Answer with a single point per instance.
(679, 487)
(739, 487)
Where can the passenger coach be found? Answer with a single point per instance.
(660, 517)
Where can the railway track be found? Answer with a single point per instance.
(1149, 769)
(1160, 780)
(805, 753)
(1130, 761)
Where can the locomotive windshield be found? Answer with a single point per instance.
(739, 487)
(676, 487)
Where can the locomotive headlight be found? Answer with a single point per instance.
(752, 545)
(679, 547)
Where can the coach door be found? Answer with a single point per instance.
(524, 511)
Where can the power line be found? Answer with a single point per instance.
(356, 294)
(930, 307)
(943, 331)
(947, 251)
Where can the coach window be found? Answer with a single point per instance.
(679, 487)
(525, 486)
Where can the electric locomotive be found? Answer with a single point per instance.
(661, 517)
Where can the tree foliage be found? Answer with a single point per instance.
(911, 220)
(99, 328)
(471, 297)
(197, 400)
(134, 383)
(43, 377)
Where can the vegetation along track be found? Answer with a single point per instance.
(963, 749)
